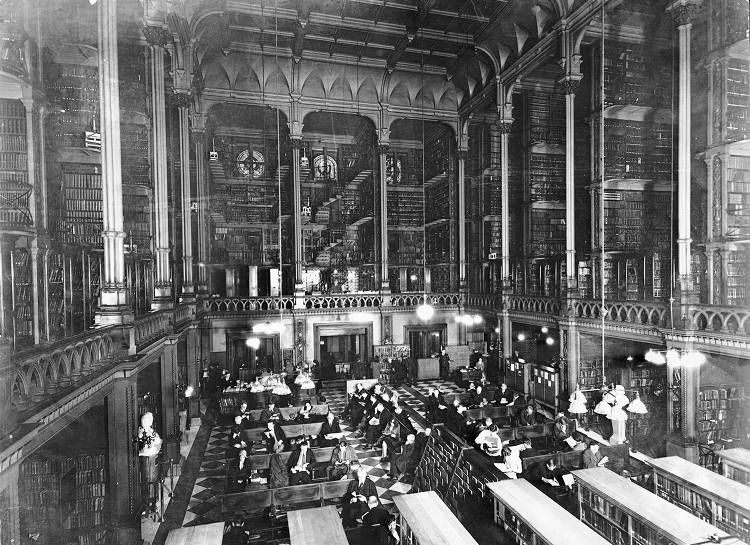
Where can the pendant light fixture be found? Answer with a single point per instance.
(425, 311)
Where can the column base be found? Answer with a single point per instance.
(162, 303)
(113, 315)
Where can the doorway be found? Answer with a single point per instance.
(338, 348)
(426, 341)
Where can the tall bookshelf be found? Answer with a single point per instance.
(64, 498)
(725, 151)
(23, 307)
(14, 182)
(720, 409)
(56, 294)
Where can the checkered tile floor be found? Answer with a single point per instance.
(203, 507)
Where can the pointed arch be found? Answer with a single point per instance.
(313, 87)
(367, 91)
(341, 89)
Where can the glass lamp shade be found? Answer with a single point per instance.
(604, 407)
(636, 406)
(425, 312)
(578, 403)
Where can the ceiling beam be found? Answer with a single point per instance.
(354, 24)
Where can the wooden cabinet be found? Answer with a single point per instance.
(426, 520)
(627, 514)
(714, 498)
(532, 518)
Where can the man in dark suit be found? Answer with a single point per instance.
(528, 451)
(245, 417)
(374, 519)
(239, 473)
(300, 464)
(420, 443)
(273, 436)
(235, 442)
(503, 395)
(528, 417)
(403, 462)
(330, 426)
(355, 500)
(270, 413)
(377, 423)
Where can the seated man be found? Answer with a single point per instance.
(592, 457)
(528, 417)
(343, 460)
(477, 398)
(244, 414)
(561, 431)
(375, 518)
(377, 423)
(403, 419)
(403, 461)
(300, 464)
(555, 476)
(526, 450)
(235, 442)
(330, 432)
(273, 436)
(502, 395)
(575, 443)
(270, 413)
(390, 440)
(355, 500)
(238, 473)
(489, 441)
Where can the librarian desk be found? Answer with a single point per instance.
(426, 520)
(735, 464)
(207, 534)
(317, 526)
(533, 518)
(714, 498)
(625, 513)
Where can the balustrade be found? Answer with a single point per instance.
(719, 319)
(45, 369)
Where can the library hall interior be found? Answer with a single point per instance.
(374, 272)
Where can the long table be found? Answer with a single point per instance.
(316, 526)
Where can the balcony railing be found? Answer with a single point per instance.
(43, 370)
(719, 319)
(343, 301)
(535, 304)
(247, 304)
(631, 312)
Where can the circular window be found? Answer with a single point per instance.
(248, 166)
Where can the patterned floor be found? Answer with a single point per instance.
(203, 507)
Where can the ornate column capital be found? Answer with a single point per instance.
(180, 98)
(504, 125)
(156, 35)
(684, 11)
(570, 84)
